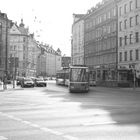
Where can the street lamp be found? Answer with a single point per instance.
(6, 56)
(14, 66)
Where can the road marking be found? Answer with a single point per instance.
(3, 138)
(70, 137)
(51, 131)
(26, 122)
(37, 126)
(100, 123)
(34, 125)
(45, 129)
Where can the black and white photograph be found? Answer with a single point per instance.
(70, 70)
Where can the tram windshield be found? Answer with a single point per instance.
(79, 75)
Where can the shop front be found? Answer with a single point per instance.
(125, 76)
(105, 75)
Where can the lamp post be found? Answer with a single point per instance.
(14, 70)
(6, 56)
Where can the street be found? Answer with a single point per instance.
(52, 113)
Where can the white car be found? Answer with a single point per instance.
(27, 82)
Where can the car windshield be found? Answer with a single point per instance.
(39, 79)
(28, 79)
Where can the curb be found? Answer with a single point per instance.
(9, 88)
(118, 89)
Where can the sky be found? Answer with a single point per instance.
(50, 20)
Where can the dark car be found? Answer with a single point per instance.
(27, 82)
(92, 82)
(39, 82)
(19, 80)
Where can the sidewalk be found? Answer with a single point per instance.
(131, 89)
(118, 89)
(9, 87)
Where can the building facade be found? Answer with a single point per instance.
(15, 51)
(77, 50)
(129, 40)
(100, 42)
(19, 41)
(4, 45)
(23, 52)
(53, 61)
(66, 61)
(49, 61)
(32, 56)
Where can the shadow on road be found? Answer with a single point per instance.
(122, 107)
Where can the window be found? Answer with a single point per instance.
(114, 11)
(24, 56)
(24, 47)
(24, 39)
(130, 5)
(109, 14)
(120, 25)
(136, 3)
(137, 54)
(137, 16)
(125, 8)
(125, 40)
(137, 37)
(125, 23)
(120, 11)
(131, 55)
(130, 21)
(130, 38)
(14, 47)
(120, 41)
(120, 56)
(125, 56)
(105, 16)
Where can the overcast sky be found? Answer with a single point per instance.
(50, 20)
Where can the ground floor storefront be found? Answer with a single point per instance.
(113, 76)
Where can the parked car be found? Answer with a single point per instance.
(53, 78)
(27, 82)
(9, 81)
(39, 82)
(92, 82)
(46, 78)
(19, 80)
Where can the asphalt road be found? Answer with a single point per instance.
(52, 113)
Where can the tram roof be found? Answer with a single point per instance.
(77, 67)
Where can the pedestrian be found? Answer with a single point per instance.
(5, 82)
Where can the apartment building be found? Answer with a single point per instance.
(100, 37)
(128, 39)
(49, 61)
(23, 51)
(77, 50)
(4, 45)
(32, 55)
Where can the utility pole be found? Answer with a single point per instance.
(117, 72)
(14, 71)
(6, 55)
